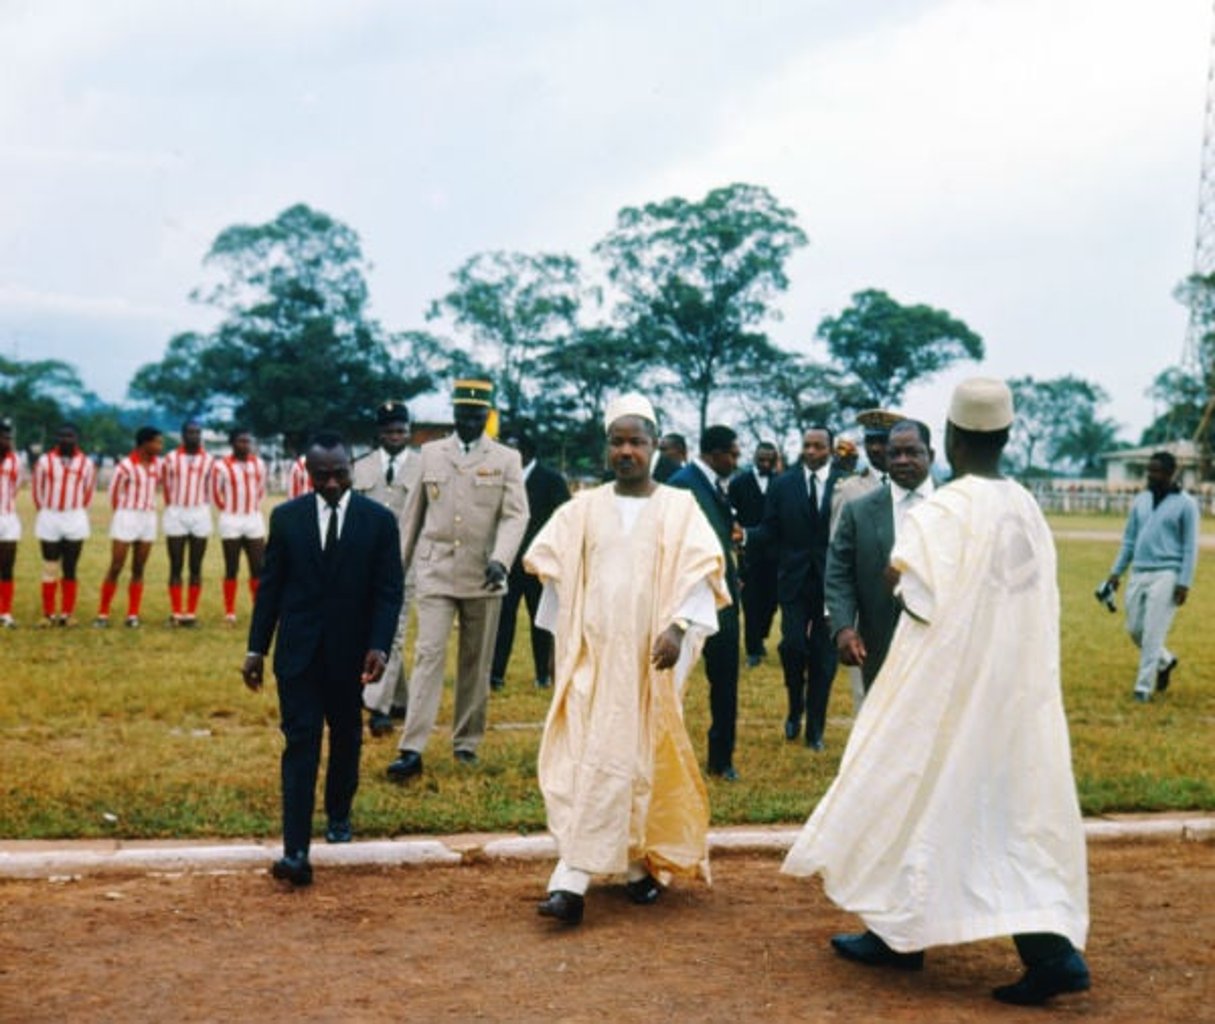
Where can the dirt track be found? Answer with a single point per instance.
(465, 943)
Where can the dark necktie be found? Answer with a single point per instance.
(331, 535)
(392, 469)
(814, 493)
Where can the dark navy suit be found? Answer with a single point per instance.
(758, 569)
(799, 533)
(329, 609)
(721, 649)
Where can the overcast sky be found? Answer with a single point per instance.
(1029, 165)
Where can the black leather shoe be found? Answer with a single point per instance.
(1049, 978)
(497, 684)
(563, 906)
(406, 766)
(753, 660)
(869, 949)
(814, 742)
(544, 683)
(339, 832)
(465, 756)
(397, 712)
(379, 724)
(1162, 677)
(727, 774)
(792, 727)
(294, 869)
(644, 890)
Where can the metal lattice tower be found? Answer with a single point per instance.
(1199, 355)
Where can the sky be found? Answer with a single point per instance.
(1031, 166)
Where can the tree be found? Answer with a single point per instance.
(887, 346)
(1182, 395)
(516, 307)
(789, 395)
(1058, 419)
(296, 349)
(36, 396)
(697, 279)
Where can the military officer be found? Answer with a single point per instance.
(384, 475)
(460, 529)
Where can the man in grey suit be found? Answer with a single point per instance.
(462, 525)
(384, 475)
(860, 598)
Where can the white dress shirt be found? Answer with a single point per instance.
(901, 500)
(323, 512)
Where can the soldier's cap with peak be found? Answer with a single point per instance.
(391, 412)
(6, 425)
(845, 447)
(473, 392)
(877, 422)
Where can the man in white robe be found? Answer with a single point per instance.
(954, 816)
(633, 577)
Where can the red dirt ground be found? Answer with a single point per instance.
(465, 943)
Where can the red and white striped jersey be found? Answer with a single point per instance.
(135, 484)
(189, 479)
(298, 480)
(62, 485)
(10, 480)
(240, 485)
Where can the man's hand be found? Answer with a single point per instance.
(737, 536)
(851, 647)
(667, 647)
(1112, 583)
(374, 663)
(495, 576)
(892, 576)
(251, 671)
(1180, 593)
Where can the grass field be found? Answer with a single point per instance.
(150, 733)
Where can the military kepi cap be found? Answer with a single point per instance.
(473, 392)
(391, 412)
(877, 422)
(981, 404)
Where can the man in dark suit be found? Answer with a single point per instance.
(332, 585)
(671, 457)
(546, 491)
(757, 573)
(706, 478)
(796, 522)
(860, 599)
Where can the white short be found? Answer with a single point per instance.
(131, 525)
(187, 521)
(52, 526)
(233, 525)
(10, 528)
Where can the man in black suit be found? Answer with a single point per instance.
(706, 478)
(332, 585)
(748, 492)
(671, 457)
(797, 523)
(546, 491)
(860, 597)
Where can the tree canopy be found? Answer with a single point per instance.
(887, 346)
(1058, 421)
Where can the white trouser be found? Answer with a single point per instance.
(575, 880)
(856, 682)
(1150, 608)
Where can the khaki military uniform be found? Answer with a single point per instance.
(853, 487)
(466, 510)
(369, 477)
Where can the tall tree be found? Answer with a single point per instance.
(296, 349)
(888, 346)
(698, 279)
(1058, 422)
(36, 396)
(789, 394)
(515, 306)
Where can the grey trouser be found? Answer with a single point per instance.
(478, 618)
(1149, 614)
(393, 685)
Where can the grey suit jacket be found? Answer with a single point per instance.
(367, 478)
(857, 595)
(462, 512)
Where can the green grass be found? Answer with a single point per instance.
(155, 728)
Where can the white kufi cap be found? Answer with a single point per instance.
(631, 404)
(981, 404)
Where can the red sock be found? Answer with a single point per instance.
(48, 597)
(175, 598)
(69, 597)
(108, 590)
(253, 582)
(6, 597)
(192, 595)
(229, 597)
(134, 599)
